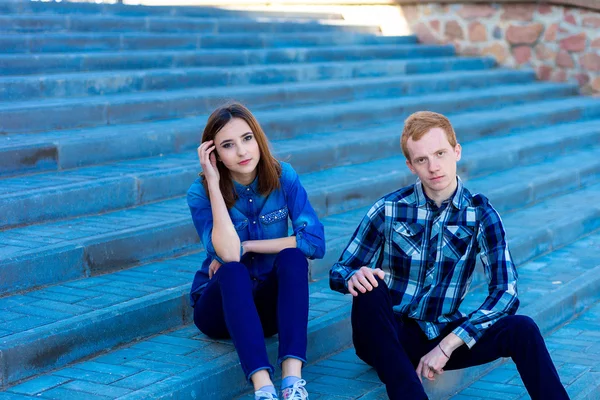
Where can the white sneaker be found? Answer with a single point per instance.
(260, 395)
(296, 392)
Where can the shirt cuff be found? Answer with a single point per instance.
(468, 333)
(305, 246)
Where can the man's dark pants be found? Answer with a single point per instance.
(393, 345)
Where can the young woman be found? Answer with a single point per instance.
(254, 282)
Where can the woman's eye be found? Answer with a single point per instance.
(248, 138)
(227, 145)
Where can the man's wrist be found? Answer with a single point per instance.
(451, 343)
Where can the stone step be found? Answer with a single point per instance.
(107, 9)
(26, 64)
(133, 42)
(347, 377)
(524, 196)
(54, 114)
(574, 350)
(31, 23)
(184, 362)
(106, 82)
(92, 245)
(68, 148)
(129, 183)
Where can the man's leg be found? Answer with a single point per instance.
(518, 337)
(375, 333)
(226, 308)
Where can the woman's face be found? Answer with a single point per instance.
(238, 150)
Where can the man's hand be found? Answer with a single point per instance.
(213, 268)
(364, 281)
(432, 364)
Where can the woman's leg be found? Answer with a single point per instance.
(291, 268)
(226, 309)
(282, 303)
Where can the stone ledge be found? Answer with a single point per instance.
(588, 4)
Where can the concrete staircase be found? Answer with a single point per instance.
(101, 108)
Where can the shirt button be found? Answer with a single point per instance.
(254, 222)
(247, 189)
(250, 200)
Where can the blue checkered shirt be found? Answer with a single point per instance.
(429, 255)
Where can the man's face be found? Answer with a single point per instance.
(433, 160)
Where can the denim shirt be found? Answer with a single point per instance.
(258, 217)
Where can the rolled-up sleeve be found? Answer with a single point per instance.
(309, 231)
(199, 205)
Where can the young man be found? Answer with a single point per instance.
(409, 265)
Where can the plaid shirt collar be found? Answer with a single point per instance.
(458, 199)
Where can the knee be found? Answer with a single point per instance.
(292, 260)
(232, 270)
(370, 299)
(523, 325)
(292, 254)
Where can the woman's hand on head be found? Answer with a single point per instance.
(208, 160)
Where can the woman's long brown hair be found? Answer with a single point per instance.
(268, 168)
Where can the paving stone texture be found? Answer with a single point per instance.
(101, 109)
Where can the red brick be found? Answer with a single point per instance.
(564, 60)
(582, 78)
(590, 62)
(522, 54)
(519, 12)
(543, 72)
(527, 34)
(574, 42)
(474, 11)
(596, 85)
(453, 30)
(477, 32)
(570, 19)
(424, 34)
(550, 34)
(498, 51)
(559, 76)
(544, 9)
(591, 22)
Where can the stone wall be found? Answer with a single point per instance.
(560, 43)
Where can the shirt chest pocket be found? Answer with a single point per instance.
(457, 239)
(407, 237)
(275, 223)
